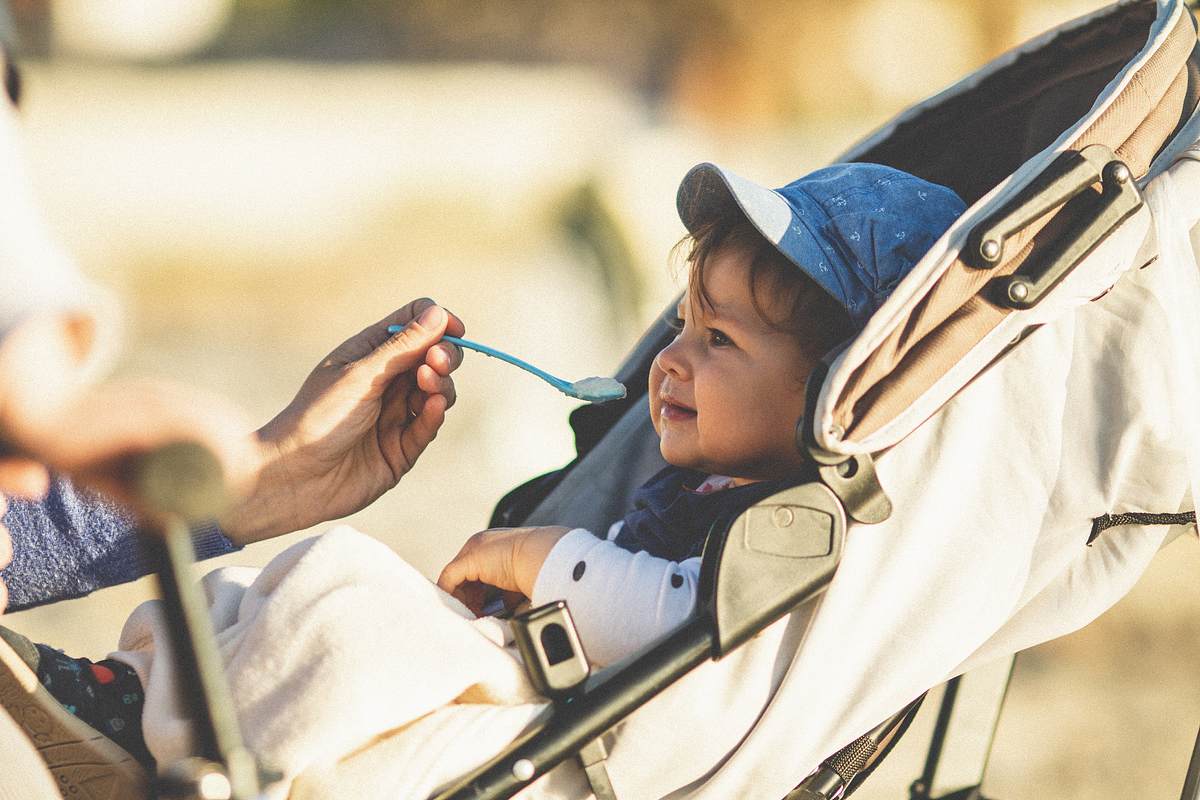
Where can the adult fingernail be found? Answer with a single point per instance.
(433, 317)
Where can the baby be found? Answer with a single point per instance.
(776, 280)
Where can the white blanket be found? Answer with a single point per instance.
(331, 651)
(356, 677)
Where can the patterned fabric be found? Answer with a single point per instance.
(106, 695)
(671, 519)
(856, 229)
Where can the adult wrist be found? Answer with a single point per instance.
(267, 506)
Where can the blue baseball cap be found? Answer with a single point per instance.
(856, 229)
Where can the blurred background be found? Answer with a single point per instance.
(258, 179)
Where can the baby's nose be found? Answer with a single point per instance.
(672, 359)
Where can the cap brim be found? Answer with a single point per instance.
(708, 191)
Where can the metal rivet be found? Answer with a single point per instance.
(783, 517)
(848, 468)
(1120, 173)
(523, 769)
(1018, 291)
(990, 249)
(835, 432)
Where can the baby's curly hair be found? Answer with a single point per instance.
(818, 321)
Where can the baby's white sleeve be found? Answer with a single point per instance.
(619, 600)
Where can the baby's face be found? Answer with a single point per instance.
(726, 394)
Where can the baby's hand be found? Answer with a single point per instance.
(506, 558)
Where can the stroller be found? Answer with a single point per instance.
(1027, 391)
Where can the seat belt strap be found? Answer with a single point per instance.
(592, 758)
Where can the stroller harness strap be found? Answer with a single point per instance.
(1102, 523)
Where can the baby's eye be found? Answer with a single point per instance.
(717, 338)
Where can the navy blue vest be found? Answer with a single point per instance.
(671, 520)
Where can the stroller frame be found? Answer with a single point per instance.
(760, 564)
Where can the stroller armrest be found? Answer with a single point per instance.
(774, 556)
(758, 565)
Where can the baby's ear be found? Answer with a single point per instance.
(880, 247)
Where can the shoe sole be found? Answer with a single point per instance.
(86, 765)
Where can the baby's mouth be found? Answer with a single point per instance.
(676, 413)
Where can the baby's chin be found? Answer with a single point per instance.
(684, 461)
(739, 473)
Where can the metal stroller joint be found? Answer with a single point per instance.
(1067, 182)
(851, 478)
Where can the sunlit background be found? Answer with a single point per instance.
(258, 179)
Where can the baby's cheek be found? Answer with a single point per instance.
(655, 384)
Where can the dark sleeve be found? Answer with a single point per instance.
(72, 542)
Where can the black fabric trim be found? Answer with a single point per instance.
(12, 79)
(1103, 523)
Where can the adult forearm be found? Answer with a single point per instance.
(73, 542)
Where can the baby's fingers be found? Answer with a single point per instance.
(473, 595)
(453, 575)
(462, 568)
(486, 557)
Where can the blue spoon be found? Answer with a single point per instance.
(591, 390)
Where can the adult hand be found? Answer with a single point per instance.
(508, 559)
(358, 424)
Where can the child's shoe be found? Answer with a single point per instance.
(85, 763)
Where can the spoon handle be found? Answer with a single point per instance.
(557, 383)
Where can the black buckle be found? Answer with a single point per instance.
(551, 650)
(1068, 181)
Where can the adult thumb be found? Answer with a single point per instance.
(406, 350)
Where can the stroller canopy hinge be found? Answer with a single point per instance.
(1067, 181)
(851, 478)
(855, 483)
